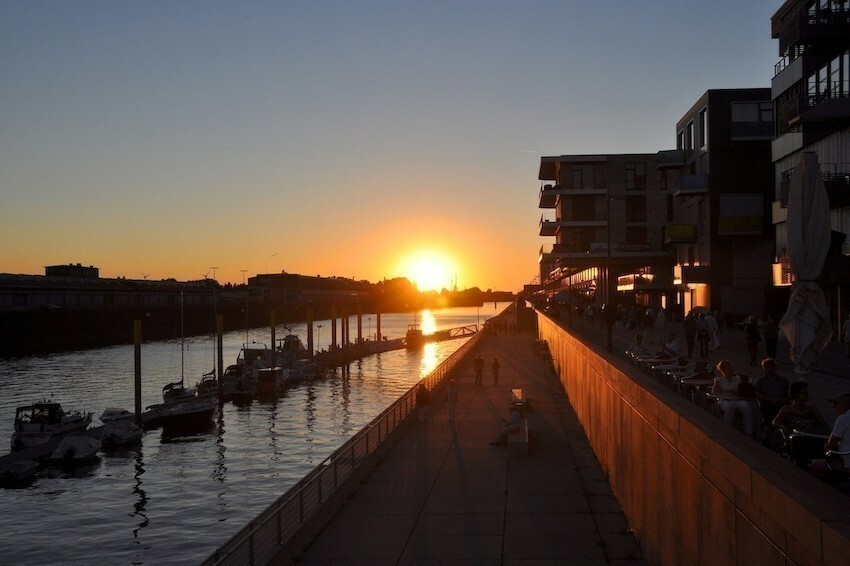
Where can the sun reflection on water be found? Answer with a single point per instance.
(429, 351)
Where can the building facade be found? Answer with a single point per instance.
(811, 91)
(722, 185)
(606, 214)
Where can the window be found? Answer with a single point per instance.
(636, 208)
(752, 120)
(703, 127)
(689, 136)
(636, 235)
(635, 176)
(680, 140)
(581, 176)
(740, 214)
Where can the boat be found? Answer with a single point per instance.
(414, 337)
(112, 414)
(120, 433)
(19, 474)
(273, 381)
(187, 412)
(75, 450)
(44, 421)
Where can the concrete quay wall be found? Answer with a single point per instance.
(694, 490)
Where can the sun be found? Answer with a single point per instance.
(429, 271)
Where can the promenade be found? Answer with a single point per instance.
(444, 495)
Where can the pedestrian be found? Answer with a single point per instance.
(713, 330)
(422, 402)
(703, 336)
(478, 365)
(771, 336)
(451, 399)
(495, 368)
(512, 425)
(690, 324)
(751, 333)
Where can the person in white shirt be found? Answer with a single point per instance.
(839, 440)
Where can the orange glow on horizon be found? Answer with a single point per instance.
(429, 270)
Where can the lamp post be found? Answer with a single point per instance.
(319, 338)
(369, 319)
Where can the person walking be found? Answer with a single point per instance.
(751, 333)
(495, 368)
(703, 335)
(771, 336)
(451, 399)
(422, 402)
(478, 366)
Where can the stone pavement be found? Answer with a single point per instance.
(443, 495)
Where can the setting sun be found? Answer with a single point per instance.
(430, 271)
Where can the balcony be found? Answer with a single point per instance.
(548, 227)
(680, 233)
(549, 196)
(803, 27)
(670, 159)
(690, 185)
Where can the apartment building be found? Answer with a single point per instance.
(811, 92)
(605, 213)
(717, 229)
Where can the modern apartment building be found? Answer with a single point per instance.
(604, 211)
(718, 205)
(811, 92)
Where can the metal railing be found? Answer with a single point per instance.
(263, 537)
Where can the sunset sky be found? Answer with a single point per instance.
(354, 138)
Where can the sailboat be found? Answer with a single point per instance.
(181, 405)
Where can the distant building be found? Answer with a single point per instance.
(72, 270)
(719, 202)
(811, 91)
(291, 288)
(609, 211)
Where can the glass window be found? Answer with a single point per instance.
(636, 235)
(689, 136)
(680, 140)
(703, 127)
(636, 208)
(635, 176)
(845, 75)
(835, 77)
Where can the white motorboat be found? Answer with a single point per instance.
(112, 414)
(74, 450)
(118, 433)
(44, 421)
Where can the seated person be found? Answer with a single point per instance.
(512, 425)
(772, 394)
(636, 348)
(671, 347)
(799, 415)
(729, 382)
(839, 440)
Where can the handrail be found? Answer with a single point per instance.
(264, 536)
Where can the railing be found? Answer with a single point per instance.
(263, 537)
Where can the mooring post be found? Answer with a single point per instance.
(273, 322)
(220, 342)
(310, 330)
(137, 363)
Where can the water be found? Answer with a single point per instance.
(176, 500)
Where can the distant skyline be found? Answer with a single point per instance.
(334, 138)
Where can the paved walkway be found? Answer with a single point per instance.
(443, 495)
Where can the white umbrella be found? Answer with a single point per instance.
(806, 323)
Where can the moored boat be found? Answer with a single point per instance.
(44, 421)
(75, 450)
(119, 433)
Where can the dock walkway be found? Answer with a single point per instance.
(443, 494)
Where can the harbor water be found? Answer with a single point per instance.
(174, 500)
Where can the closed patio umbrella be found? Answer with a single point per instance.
(806, 323)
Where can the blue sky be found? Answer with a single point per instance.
(333, 138)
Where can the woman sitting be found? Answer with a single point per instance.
(728, 383)
(800, 416)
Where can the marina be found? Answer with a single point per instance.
(174, 498)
